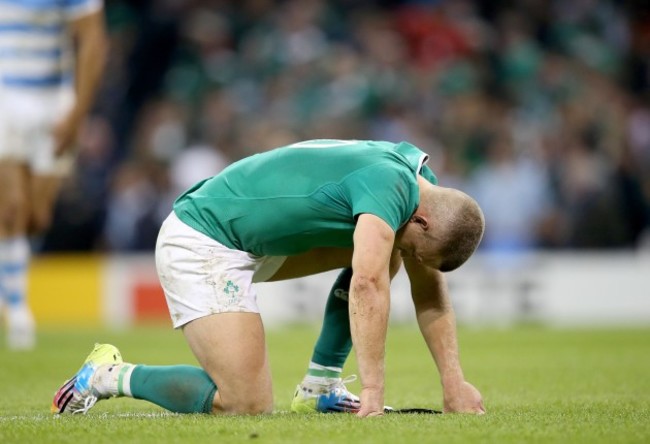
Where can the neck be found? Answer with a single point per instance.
(402, 242)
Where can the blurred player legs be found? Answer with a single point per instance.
(53, 53)
(30, 177)
(14, 256)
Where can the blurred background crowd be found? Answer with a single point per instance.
(540, 109)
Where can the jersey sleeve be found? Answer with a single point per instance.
(388, 193)
(76, 9)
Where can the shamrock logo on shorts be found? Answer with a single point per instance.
(231, 290)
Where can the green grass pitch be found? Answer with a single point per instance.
(539, 385)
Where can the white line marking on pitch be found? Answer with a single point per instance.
(102, 416)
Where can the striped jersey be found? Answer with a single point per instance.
(36, 49)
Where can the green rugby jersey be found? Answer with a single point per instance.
(306, 195)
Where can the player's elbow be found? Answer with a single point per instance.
(363, 283)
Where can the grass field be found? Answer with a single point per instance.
(539, 385)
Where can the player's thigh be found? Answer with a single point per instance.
(313, 261)
(14, 197)
(231, 348)
(44, 190)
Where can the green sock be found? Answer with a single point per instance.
(178, 388)
(335, 340)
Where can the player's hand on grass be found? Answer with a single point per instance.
(462, 397)
(372, 402)
(65, 133)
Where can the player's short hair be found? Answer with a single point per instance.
(464, 224)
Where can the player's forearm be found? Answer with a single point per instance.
(436, 319)
(369, 308)
(439, 330)
(92, 49)
(437, 322)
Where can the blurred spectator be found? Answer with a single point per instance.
(195, 163)
(131, 222)
(81, 210)
(514, 193)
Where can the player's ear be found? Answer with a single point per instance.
(420, 220)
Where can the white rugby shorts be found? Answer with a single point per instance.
(27, 119)
(201, 277)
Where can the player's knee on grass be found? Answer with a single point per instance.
(248, 405)
(247, 396)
